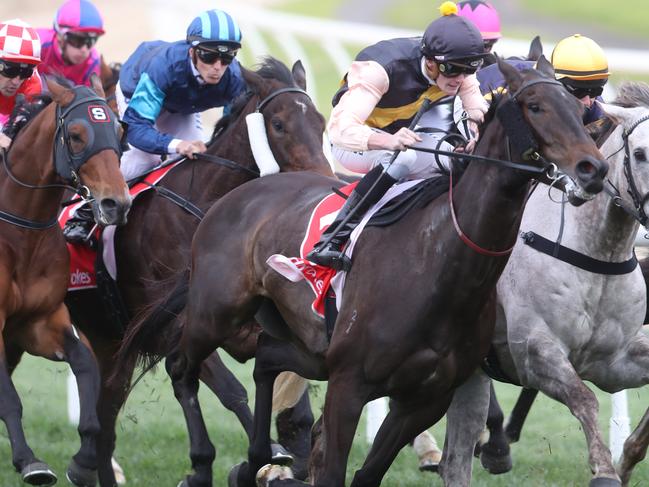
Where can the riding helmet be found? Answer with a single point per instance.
(214, 27)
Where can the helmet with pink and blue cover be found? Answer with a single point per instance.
(483, 15)
(78, 16)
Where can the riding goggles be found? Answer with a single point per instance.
(79, 40)
(580, 92)
(225, 54)
(489, 44)
(451, 69)
(11, 70)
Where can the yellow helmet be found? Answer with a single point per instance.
(580, 58)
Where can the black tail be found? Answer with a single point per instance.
(156, 332)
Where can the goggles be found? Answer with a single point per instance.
(11, 70)
(79, 40)
(451, 69)
(210, 55)
(580, 92)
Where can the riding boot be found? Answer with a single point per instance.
(331, 254)
(77, 229)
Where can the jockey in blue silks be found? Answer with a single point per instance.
(162, 89)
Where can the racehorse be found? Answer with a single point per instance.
(409, 331)
(155, 244)
(74, 140)
(109, 74)
(581, 316)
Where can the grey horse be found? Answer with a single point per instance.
(569, 324)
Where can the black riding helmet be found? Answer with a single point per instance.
(453, 38)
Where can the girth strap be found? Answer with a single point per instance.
(577, 259)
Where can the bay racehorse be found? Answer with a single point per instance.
(154, 246)
(580, 318)
(75, 140)
(408, 326)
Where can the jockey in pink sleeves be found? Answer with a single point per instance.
(19, 54)
(68, 49)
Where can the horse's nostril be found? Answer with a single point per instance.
(108, 205)
(586, 169)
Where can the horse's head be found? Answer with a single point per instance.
(551, 129)
(630, 146)
(87, 148)
(293, 126)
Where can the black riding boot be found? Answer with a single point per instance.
(77, 229)
(332, 255)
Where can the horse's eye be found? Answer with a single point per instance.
(277, 124)
(640, 155)
(534, 107)
(76, 138)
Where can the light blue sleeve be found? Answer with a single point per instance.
(147, 99)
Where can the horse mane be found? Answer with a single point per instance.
(633, 94)
(269, 68)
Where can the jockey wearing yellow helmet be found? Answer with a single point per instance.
(581, 65)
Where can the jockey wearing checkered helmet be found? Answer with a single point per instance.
(20, 50)
(69, 47)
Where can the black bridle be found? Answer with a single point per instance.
(637, 210)
(66, 162)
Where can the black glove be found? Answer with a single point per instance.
(18, 118)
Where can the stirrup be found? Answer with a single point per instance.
(333, 258)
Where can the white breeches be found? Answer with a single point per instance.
(414, 164)
(136, 162)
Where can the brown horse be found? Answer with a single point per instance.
(73, 140)
(155, 244)
(409, 324)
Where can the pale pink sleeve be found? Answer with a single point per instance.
(367, 82)
(472, 100)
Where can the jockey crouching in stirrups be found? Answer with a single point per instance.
(162, 89)
(381, 94)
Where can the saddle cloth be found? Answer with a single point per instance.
(320, 278)
(82, 257)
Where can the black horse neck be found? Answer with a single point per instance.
(29, 160)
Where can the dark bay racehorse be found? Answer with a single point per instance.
(155, 244)
(72, 141)
(408, 327)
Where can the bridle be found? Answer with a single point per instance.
(93, 112)
(637, 210)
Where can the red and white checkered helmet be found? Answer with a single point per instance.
(19, 43)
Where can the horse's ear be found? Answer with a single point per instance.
(513, 78)
(95, 82)
(536, 49)
(618, 114)
(299, 75)
(544, 66)
(56, 90)
(253, 80)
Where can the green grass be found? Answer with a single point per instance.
(152, 444)
(325, 9)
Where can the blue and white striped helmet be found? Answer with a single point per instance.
(214, 27)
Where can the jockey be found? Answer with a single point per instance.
(20, 50)
(581, 65)
(486, 19)
(162, 89)
(68, 48)
(380, 96)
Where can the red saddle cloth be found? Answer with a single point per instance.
(82, 257)
(317, 276)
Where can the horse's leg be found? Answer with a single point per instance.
(494, 454)
(294, 432)
(518, 415)
(543, 363)
(465, 421)
(11, 411)
(215, 375)
(400, 426)
(58, 339)
(635, 449)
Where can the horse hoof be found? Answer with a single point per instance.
(604, 482)
(495, 464)
(430, 461)
(81, 476)
(268, 473)
(280, 456)
(38, 473)
(233, 476)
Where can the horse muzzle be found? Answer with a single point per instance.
(590, 174)
(109, 211)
